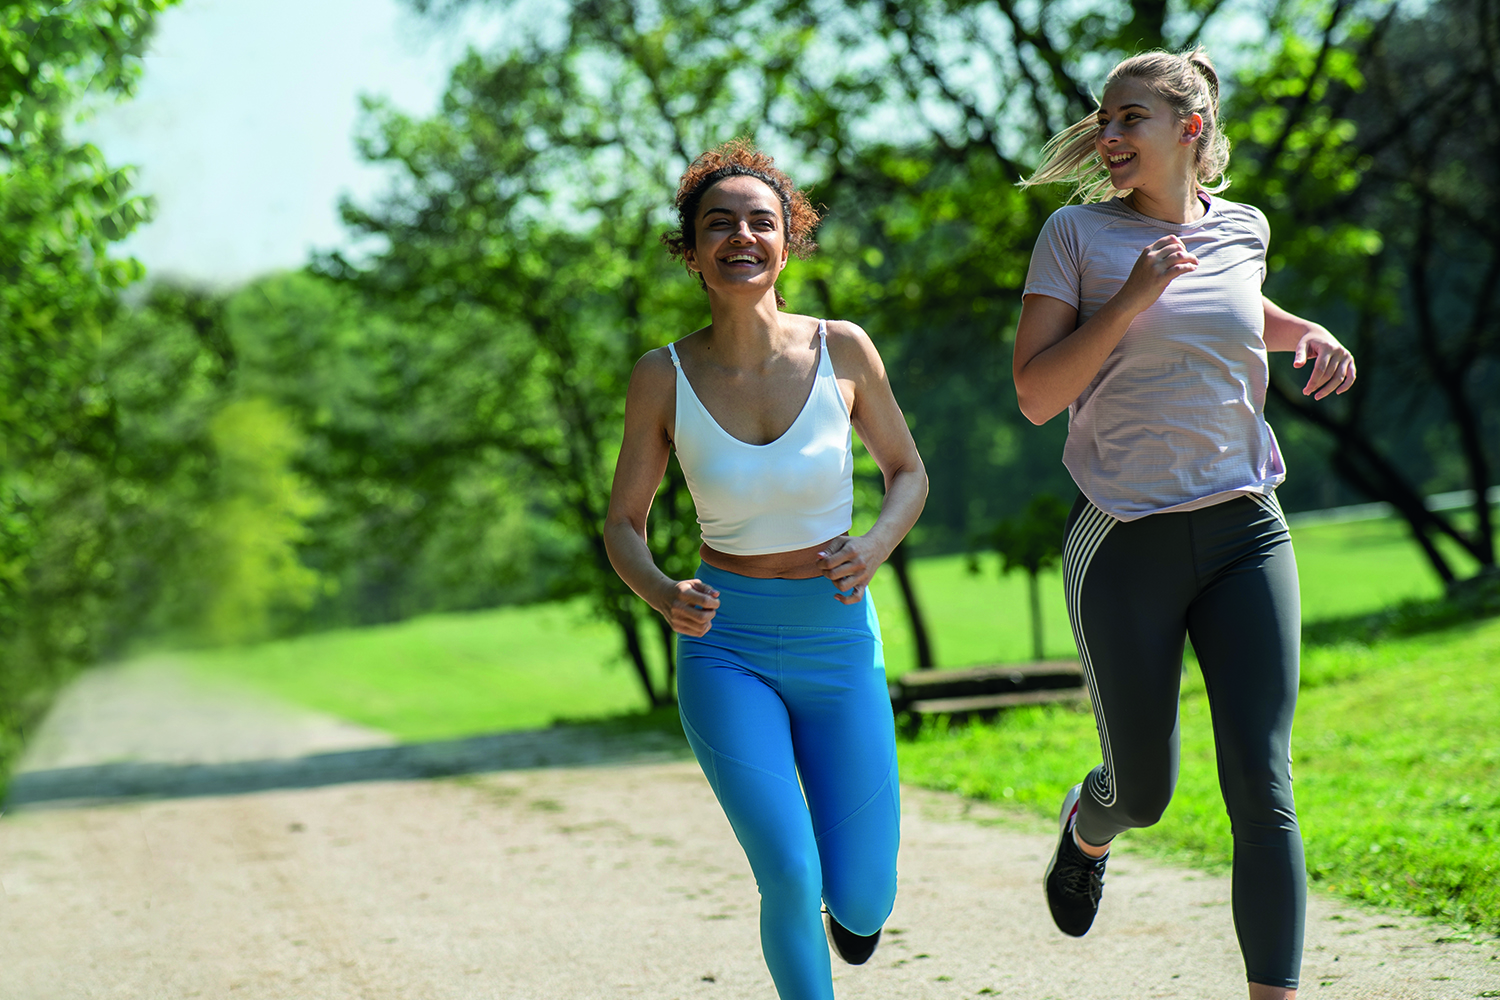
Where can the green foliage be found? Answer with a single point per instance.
(1370, 144)
(61, 206)
(1032, 542)
(250, 533)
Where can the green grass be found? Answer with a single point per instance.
(445, 676)
(1397, 764)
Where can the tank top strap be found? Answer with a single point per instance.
(672, 350)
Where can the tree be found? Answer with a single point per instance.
(1374, 150)
(61, 206)
(1032, 542)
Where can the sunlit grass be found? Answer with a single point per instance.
(444, 676)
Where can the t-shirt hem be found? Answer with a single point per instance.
(1265, 489)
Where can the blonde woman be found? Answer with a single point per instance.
(1143, 317)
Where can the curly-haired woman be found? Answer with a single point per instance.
(781, 681)
(1143, 317)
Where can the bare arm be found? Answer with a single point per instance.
(1054, 362)
(851, 561)
(1333, 367)
(688, 605)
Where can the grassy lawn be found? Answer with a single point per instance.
(444, 676)
(1397, 763)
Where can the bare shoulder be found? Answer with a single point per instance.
(852, 351)
(654, 372)
(653, 385)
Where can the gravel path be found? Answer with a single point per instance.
(525, 880)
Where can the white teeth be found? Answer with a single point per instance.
(747, 258)
(1120, 157)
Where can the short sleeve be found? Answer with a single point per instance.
(1054, 266)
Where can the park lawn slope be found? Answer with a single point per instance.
(1396, 761)
(445, 676)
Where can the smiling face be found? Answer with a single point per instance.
(740, 237)
(1141, 141)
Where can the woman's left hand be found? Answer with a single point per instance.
(1333, 365)
(850, 561)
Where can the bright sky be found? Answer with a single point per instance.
(243, 125)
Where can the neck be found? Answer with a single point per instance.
(1177, 202)
(745, 332)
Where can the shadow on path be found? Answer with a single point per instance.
(559, 746)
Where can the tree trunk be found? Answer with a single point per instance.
(1036, 616)
(898, 564)
(630, 631)
(669, 657)
(1359, 462)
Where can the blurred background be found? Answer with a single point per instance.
(316, 319)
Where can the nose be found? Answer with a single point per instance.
(743, 233)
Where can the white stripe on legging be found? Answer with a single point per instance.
(1270, 505)
(1078, 551)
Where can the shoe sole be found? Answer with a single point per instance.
(1070, 802)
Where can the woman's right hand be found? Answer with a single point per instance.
(689, 607)
(1154, 270)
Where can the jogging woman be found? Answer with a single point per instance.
(780, 678)
(1143, 317)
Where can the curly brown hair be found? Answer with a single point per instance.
(740, 158)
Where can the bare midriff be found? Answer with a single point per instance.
(798, 564)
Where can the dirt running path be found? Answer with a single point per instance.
(611, 881)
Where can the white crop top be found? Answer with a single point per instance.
(792, 493)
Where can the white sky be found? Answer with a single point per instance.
(242, 126)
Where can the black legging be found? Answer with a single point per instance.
(1224, 575)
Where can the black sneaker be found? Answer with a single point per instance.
(1074, 881)
(852, 948)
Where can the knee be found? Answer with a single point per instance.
(1143, 807)
(791, 877)
(1260, 800)
(863, 907)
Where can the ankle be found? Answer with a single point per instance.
(1090, 850)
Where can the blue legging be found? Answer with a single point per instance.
(789, 684)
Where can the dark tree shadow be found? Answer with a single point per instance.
(1466, 601)
(625, 740)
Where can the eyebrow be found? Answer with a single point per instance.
(1123, 107)
(754, 211)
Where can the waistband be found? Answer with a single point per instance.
(758, 601)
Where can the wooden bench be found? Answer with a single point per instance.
(981, 692)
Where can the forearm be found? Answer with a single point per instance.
(1284, 330)
(905, 496)
(629, 555)
(1053, 378)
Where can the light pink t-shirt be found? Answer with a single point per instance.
(1175, 418)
